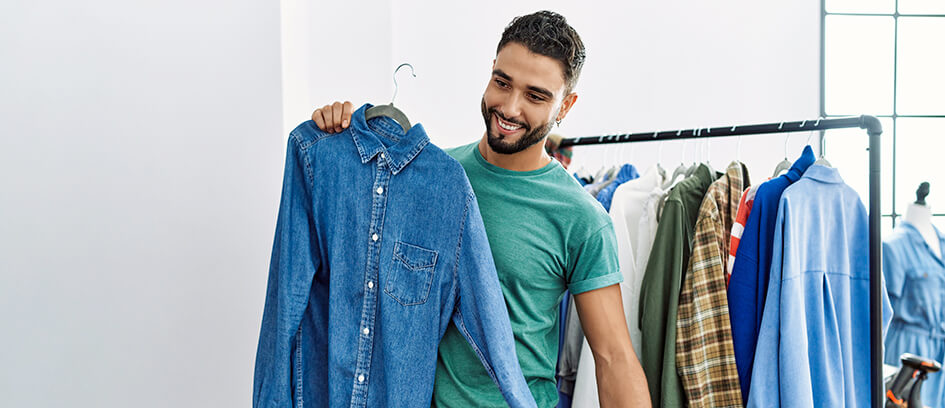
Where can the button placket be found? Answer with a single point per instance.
(370, 298)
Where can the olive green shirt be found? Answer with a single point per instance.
(662, 282)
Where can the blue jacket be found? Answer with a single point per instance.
(606, 195)
(379, 244)
(813, 345)
(749, 281)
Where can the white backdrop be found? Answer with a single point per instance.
(140, 168)
(141, 149)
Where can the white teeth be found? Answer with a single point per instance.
(507, 127)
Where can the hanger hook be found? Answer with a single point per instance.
(786, 138)
(395, 79)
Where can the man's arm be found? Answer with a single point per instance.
(620, 378)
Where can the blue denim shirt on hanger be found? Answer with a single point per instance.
(379, 244)
(814, 340)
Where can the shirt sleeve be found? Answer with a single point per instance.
(481, 314)
(766, 372)
(593, 263)
(893, 271)
(295, 259)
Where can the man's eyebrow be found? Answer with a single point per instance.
(543, 91)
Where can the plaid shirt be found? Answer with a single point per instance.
(705, 357)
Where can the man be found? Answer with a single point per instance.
(546, 233)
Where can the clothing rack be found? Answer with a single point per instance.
(874, 129)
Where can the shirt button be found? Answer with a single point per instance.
(370, 285)
(361, 378)
(380, 190)
(374, 237)
(382, 155)
(365, 331)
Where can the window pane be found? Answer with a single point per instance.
(921, 84)
(859, 65)
(919, 146)
(922, 6)
(847, 151)
(861, 6)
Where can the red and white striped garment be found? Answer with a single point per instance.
(744, 208)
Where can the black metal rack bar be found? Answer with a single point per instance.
(874, 129)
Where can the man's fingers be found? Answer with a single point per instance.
(346, 114)
(326, 117)
(319, 120)
(336, 111)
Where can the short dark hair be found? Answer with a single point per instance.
(548, 33)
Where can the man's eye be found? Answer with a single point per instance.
(536, 97)
(501, 83)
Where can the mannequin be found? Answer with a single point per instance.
(919, 214)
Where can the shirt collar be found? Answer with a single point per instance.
(823, 174)
(627, 173)
(385, 135)
(801, 164)
(917, 237)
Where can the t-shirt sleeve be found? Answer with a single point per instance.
(593, 263)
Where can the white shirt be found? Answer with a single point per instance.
(633, 211)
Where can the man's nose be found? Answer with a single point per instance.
(512, 107)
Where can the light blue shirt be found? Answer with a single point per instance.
(814, 342)
(915, 281)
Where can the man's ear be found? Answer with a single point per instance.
(566, 105)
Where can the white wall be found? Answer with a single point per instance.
(140, 168)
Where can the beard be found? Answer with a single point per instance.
(498, 143)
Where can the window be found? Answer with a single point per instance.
(884, 58)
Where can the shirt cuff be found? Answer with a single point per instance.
(595, 283)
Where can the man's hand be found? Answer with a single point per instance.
(333, 118)
(620, 378)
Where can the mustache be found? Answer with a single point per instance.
(515, 122)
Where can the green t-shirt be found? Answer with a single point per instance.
(547, 235)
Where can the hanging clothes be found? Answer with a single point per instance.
(705, 358)
(561, 154)
(627, 172)
(816, 323)
(662, 281)
(634, 215)
(744, 209)
(602, 179)
(915, 282)
(749, 281)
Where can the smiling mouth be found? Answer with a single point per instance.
(505, 126)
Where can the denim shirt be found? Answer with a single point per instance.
(379, 244)
(814, 339)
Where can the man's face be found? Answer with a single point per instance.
(522, 100)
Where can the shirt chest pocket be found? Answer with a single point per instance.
(924, 292)
(411, 274)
